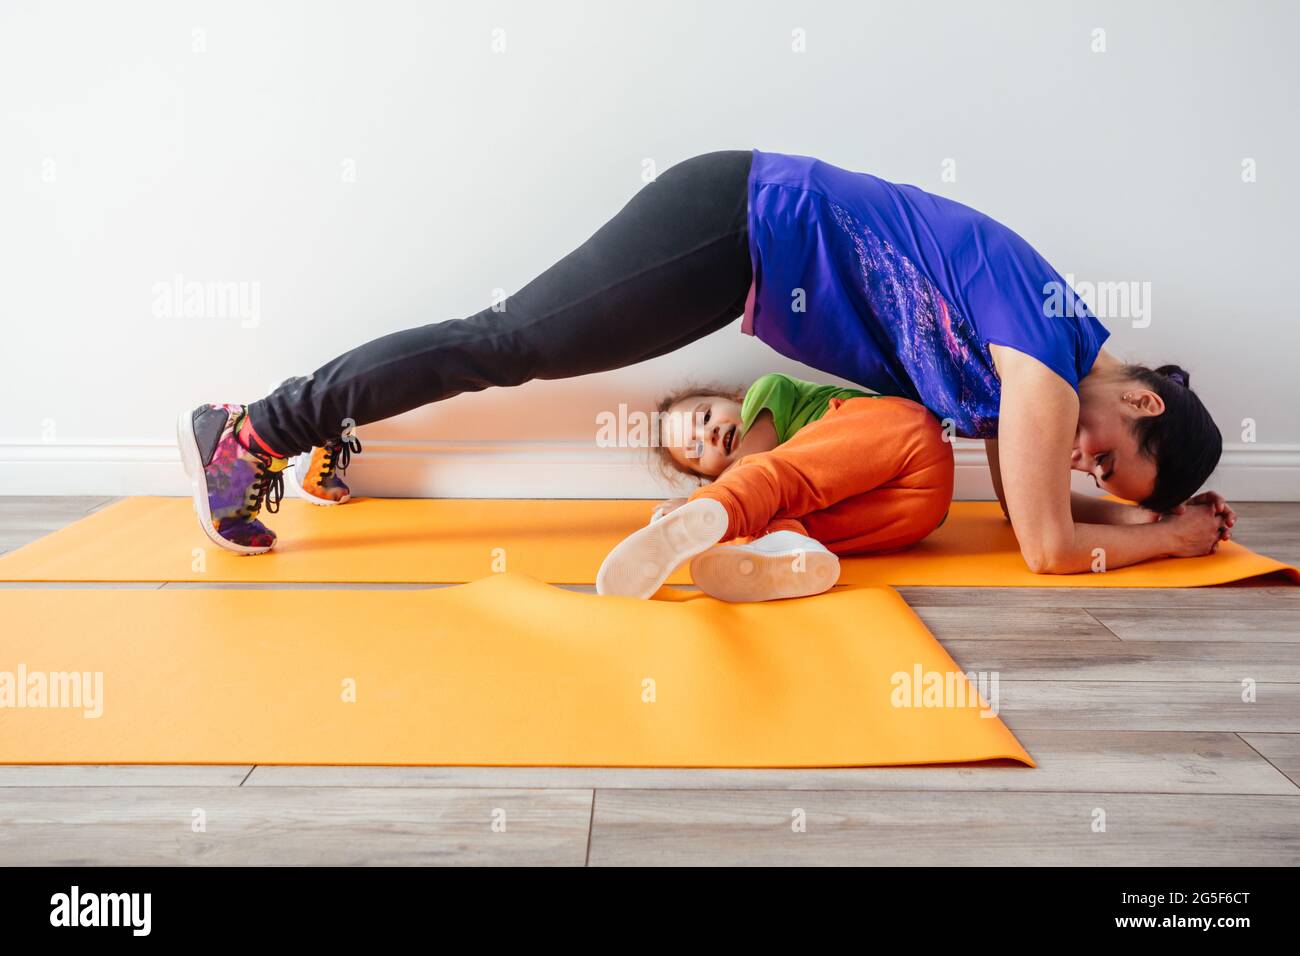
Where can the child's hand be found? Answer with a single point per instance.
(672, 504)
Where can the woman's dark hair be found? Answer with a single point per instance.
(1184, 442)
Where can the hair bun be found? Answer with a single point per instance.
(1177, 374)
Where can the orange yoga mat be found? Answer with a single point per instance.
(560, 541)
(506, 671)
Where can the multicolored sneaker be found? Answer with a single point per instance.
(230, 482)
(314, 475)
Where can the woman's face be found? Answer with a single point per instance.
(1105, 445)
(702, 433)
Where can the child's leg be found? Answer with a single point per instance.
(895, 516)
(783, 524)
(782, 562)
(860, 446)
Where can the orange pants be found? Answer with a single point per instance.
(871, 475)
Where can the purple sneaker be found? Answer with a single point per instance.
(229, 481)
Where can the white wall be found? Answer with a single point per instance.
(145, 140)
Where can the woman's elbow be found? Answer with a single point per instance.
(1048, 560)
(1035, 559)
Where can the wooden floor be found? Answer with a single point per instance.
(1131, 701)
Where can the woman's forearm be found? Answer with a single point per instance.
(1087, 509)
(1036, 431)
(1100, 547)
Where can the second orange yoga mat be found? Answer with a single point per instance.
(506, 671)
(560, 541)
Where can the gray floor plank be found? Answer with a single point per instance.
(1148, 705)
(1281, 750)
(1266, 509)
(134, 775)
(24, 518)
(1154, 762)
(1278, 597)
(48, 509)
(1013, 623)
(139, 826)
(1202, 624)
(1129, 660)
(666, 827)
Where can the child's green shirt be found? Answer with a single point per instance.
(793, 402)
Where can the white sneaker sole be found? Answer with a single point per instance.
(291, 479)
(193, 462)
(641, 562)
(738, 574)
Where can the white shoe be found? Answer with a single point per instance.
(783, 564)
(641, 562)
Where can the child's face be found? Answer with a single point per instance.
(703, 433)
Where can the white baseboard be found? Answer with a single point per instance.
(448, 469)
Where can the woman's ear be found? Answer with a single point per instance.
(1144, 401)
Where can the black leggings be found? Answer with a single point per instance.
(670, 268)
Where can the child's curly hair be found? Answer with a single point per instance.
(669, 466)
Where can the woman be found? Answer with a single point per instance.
(903, 292)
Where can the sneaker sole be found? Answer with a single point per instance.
(193, 463)
(641, 562)
(734, 573)
(291, 479)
